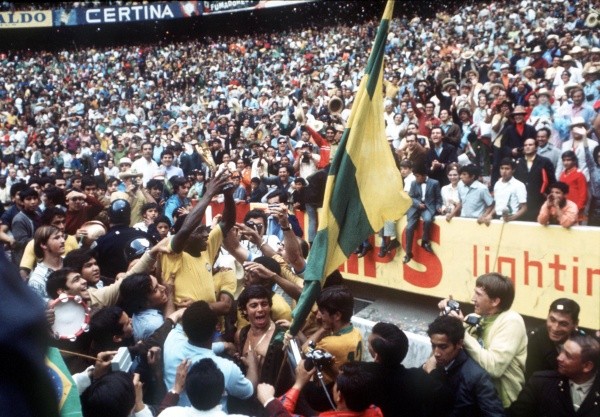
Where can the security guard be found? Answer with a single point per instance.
(122, 243)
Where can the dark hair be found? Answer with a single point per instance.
(406, 163)
(55, 195)
(34, 180)
(199, 322)
(269, 263)
(448, 325)
(283, 196)
(167, 152)
(134, 292)
(545, 129)
(566, 306)
(154, 183)
(112, 395)
(499, 286)
(391, 344)
(566, 154)
(28, 193)
(255, 213)
(472, 170)
(205, 384)
(177, 183)
(148, 206)
(57, 280)
(420, 169)
(253, 291)
(564, 187)
(509, 162)
(111, 180)
(77, 258)
(337, 298)
(595, 153)
(50, 213)
(104, 325)
(16, 188)
(355, 383)
(88, 181)
(590, 348)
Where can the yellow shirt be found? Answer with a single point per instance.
(28, 261)
(193, 275)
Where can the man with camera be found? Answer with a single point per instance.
(307, 161)
(498, 340)
(351, 394)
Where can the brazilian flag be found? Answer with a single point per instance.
(65, 388)
(364, 187)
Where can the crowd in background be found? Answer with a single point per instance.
(491, 111)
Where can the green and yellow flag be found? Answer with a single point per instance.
(364, 186)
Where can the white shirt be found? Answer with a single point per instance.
(509, 195)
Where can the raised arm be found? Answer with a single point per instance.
(194, 219)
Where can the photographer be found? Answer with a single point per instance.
(352, 393)
(498, 341)
(307, 161)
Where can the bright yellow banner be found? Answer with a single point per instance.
(25, 19)
(545, 263)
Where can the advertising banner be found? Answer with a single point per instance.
(26, 19)
(127, 14)
(228, 6)
(544, 263)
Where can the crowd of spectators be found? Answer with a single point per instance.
(111, 156)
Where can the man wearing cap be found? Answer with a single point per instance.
(576, 144)
(545, 342)
(514, 137)
(78, 213)
(591, 86)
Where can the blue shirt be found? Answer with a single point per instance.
(177, 348)
(145, 323)
(474, 199)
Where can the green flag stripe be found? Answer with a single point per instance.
(315, 269)
(347, 208)
(377, 53)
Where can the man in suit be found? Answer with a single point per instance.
(427, 201)
(439, 156)
(537, 173)
(573, 390)
(514, 136)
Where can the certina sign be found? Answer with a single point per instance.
(159, 11)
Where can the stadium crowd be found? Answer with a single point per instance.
(110, 158)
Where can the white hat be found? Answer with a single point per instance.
(125, 160)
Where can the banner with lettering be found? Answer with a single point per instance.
(127, 13)
(26, 19)
(229, 6)
(545, 263)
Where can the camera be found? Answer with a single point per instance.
(318, 358)
(253, 225)
(473, 320)
(452, 305)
